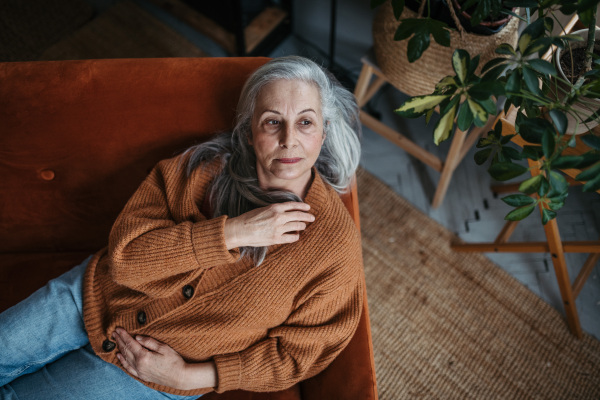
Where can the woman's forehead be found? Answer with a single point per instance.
(296, 94)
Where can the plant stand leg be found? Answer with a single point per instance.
(449, 166)
(562, 276)
(557, 253)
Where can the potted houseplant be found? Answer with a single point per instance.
(544, 101)
(403, 30)
(436, 18)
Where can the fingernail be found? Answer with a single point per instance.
(138, 338)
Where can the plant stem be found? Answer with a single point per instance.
(590, 41)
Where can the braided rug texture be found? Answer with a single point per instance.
(449, 325)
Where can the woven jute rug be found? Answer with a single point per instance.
(449, 325)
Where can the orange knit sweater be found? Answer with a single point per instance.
(168, 274)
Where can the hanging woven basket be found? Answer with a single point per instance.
(419, 77)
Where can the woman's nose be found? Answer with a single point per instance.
(288, 138)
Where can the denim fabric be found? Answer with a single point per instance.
(45, 351)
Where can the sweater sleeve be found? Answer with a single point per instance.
(148, 245)
(310, 339)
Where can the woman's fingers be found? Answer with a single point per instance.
(274, 224)
(149, 343)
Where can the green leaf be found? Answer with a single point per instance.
(560, 120)
(474, 63)
(428, 116)
(590, 173)
(566, 162)
(460, 64)
(505, 171)
(592, 185)
(532, 129)
(538, 46)
(488, 105)
(510, 153)
(518, 200)
(495, 72)
(556, 205)
(439, 31)
(377, 3)
(547, 215)
(533, 31)
(480, 115)
(586, 16)
(447, 105)
(548, 144)
(407, 28)
(443, 129)
(493, 63)
(520, 213)
(416, 46)
(447, 82)
(589, 158)
(398, 7)
(544, 186)
(482, 156)
(506, 49)
(591, 140)
(531, 185)
(417, 106)
(524, 41)
(558, 182)
(465, 117)
(542, 66)
(484, 89)
(532, 152)
(513, 84)
(531, 81)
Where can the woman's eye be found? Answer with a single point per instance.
(305, 122)
(272, 122)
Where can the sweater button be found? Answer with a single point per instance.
(141, 318)
(188, 291)
(108, 346)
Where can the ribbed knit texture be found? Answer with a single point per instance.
(266, 327)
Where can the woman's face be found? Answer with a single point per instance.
(287, 135)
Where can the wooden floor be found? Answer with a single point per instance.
(469, 209)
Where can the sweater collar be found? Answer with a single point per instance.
(317, 195)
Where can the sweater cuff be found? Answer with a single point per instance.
(208, 238)
(229, 372)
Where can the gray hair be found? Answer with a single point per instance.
(236, 190)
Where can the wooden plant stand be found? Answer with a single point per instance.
(462, 141)
(553, 244)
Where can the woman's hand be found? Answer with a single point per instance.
(152, 361)
(274, 224)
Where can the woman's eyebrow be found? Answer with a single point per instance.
(278, 113)
(271, 111)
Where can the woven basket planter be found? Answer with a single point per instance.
(420, 77)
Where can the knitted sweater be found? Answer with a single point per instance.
(167, 274)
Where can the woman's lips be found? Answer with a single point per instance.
(289, 160)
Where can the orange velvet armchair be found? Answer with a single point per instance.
(78, 137)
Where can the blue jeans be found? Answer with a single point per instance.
(45, 351)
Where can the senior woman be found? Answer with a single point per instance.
(234, 265)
